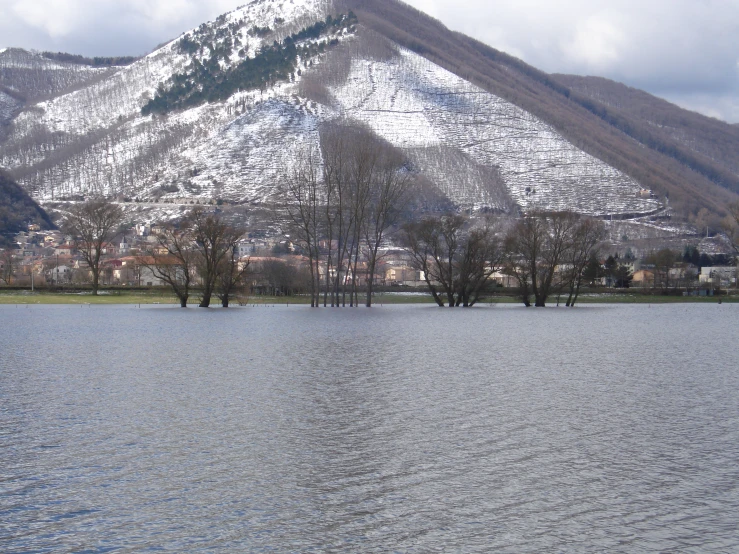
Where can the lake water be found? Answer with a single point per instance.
(404, 428)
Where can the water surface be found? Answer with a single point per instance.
(403, 428)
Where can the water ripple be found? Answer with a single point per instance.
(405, 429)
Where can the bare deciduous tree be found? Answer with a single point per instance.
(8, 261)
(300, 188)
(214, 241)
(456, 263)
(482, 255)
(584, 246)
(388, 188)
(231, 274)
(536, 246)
(93, 223)
(731, 225)
(363, 160)
(663, 260)
(336, 217)
(173, 261)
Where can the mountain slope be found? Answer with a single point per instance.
(584, 122)
(18, 210)
(486, 130)
(27, 77)
(682, 129)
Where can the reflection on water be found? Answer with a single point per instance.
(409, 429)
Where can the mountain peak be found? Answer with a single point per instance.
(219, 112)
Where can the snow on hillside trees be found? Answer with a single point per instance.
(207, 80)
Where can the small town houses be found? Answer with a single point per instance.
(50, 258)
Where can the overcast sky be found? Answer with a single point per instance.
(684, 50)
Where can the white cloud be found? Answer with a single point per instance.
(598, 43)
(102, 27)
(56, 17)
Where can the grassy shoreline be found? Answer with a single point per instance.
(163, 297)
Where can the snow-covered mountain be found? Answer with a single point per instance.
(86, 133)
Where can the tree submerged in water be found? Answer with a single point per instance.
(548, 252)
(457, 261)
(202, 246)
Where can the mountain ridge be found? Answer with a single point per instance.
(527, 88)
(105, 138)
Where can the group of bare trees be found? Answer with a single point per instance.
(345, 197)
(548, 253)
(543, 252)
(455, 257)
(7, 266)
(201, 248)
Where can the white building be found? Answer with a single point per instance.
(718, 276)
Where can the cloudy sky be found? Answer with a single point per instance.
(684, 50)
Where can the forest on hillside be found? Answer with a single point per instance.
(18, 210)
(208, 81)
(97, 61)
(688, 131)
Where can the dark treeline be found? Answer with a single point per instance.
(97, 61)
(18, 210)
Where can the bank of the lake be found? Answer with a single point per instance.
(160, 296)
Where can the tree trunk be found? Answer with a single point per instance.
(571, 295)
(577, 293)
(313, 303)
(183, 301)
(329, 267)
(371, 277)
(369, 293)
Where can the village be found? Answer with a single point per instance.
(49, 259)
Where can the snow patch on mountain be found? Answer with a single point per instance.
(123, 94)
(479, 150)
(248, 157)
(412, 102)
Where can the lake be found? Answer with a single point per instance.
(401, 428)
